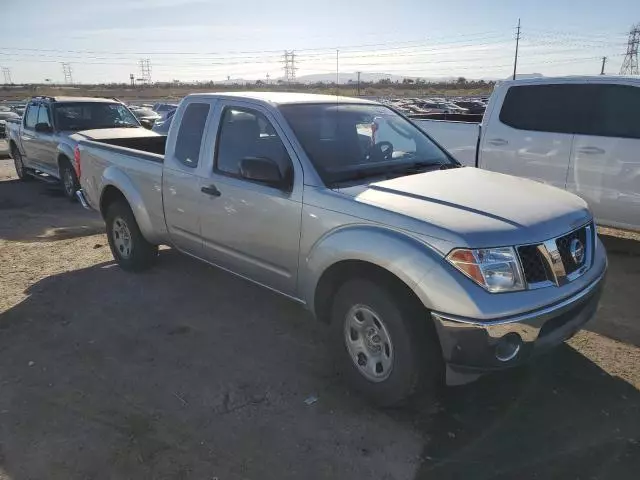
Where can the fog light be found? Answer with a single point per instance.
(508, 347)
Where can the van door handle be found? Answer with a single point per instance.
(591, 150)
(211, 190)
(498, 142)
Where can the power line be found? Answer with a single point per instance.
(630, 62)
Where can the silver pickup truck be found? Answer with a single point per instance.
(424, 270)
(43, 142)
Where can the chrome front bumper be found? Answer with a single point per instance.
(470, 346)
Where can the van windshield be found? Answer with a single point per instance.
(347, 142)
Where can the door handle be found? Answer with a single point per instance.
(498, 142)
(591, 150)
(211, 190)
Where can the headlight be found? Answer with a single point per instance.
(495, 269)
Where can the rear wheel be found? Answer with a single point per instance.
(129, 248)
(384, 343)
(70, 183)
(21, 171)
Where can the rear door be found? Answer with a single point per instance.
(531, 134)
(250, 228)
(605, 162)
(180, 180)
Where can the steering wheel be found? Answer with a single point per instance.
(384, 148)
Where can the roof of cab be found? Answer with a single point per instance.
(57, 99)
(283, 98)
(613, 79)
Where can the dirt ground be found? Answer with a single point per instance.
(189, 372)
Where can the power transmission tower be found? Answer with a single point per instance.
(145, 70)
(630, 62)
(267, 79)
(289, 60)
(6, 71)
(66, 71)
(515, 60)
(604, 62)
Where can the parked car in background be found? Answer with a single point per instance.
(43, 143)
(473, 107)
(6, 114)
(581, 134)
(162, 126)
(163, 109)
(145, 116)
(422, 269)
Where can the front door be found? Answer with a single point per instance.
(250, 228)
(28, 137)
(45, 143)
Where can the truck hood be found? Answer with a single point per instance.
(107, 133)
(475, 208)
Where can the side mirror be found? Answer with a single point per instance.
(263, 170)
(43, 128)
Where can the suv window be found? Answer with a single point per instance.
(43, 115)
(190, 134)
(616, 111)
(248, 133)
(31, 117)
(547, 108)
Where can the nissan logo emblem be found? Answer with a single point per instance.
(576, 249)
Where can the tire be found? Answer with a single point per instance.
(129, 248)
(69, 180)
(21, 171)
(409, 357)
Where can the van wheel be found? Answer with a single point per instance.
(70, 183)
(385, 344)
(129, 248)
(21, 171)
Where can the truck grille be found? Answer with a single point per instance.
(538, 263)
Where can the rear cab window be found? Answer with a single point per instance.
(189, 139)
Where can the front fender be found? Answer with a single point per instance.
(401, 254)
(113, 176)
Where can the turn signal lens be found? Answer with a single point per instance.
(495, 269)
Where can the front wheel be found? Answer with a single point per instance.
(69, 179)
(129, 248)
(384, 343)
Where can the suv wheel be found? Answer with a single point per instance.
(70, 183)
(384, 342)
(129, 248)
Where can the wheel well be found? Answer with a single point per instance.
(339, 273)
(12, 146)
(61, 159)
(110, 195)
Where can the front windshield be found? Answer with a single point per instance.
(348, 142)
(87, 116)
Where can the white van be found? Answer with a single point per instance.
(581, 134)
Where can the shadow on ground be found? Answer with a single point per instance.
(36, 212)
(189, 372)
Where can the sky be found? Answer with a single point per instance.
(197, 40)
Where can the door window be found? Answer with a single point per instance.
(248, 133)
(190, 134)
(31, 117)
(43, 115)
(547, 108)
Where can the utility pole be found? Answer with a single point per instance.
(286, 66)
(630, 62)
(604, 62)
(66, 71)
(515, 60)
(337, 71)
(132, 79)
(358, 82)
(267, 79)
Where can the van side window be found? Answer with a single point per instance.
(547, 108)
(189, 138)
(248, 133)
(617, 111)
(31, 117)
